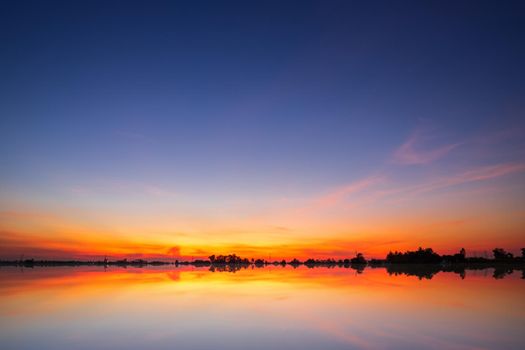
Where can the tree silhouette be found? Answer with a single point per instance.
(501, 254)
(359, 259)
(420, 256)
(456, 258)
(295, 263)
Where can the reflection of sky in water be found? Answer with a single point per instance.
(86, 308)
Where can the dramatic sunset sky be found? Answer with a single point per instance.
(168, 129)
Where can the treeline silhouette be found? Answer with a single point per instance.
(423, 263)
(428, 256)
(429, 271)
(105, 262)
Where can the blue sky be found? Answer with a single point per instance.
(222, 102)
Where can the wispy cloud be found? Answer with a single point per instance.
(338, 197)
(375, 189)
(491, 171)
(340, 194)
(412, 151)
(472, 175)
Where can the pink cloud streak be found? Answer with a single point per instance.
(472, 175)
(408, 153)
(341, 193)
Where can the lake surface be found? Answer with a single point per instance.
(268, 308)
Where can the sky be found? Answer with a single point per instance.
(279, 129)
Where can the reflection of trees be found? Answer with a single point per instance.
(295, 263)
(429, 271)
(501, 271)
(426, 272)
(359, 259)
(227, 263)
(358, 267)
(227, 268)
(457, 269)
(422, 263)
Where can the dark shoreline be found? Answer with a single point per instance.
(419, 270)
(204, 263)
(423, 263)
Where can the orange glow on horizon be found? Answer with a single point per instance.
(336, 224)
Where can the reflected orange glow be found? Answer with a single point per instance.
(357, 309)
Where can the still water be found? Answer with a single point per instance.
(269, 308)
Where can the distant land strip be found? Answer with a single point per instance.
(423, 257)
